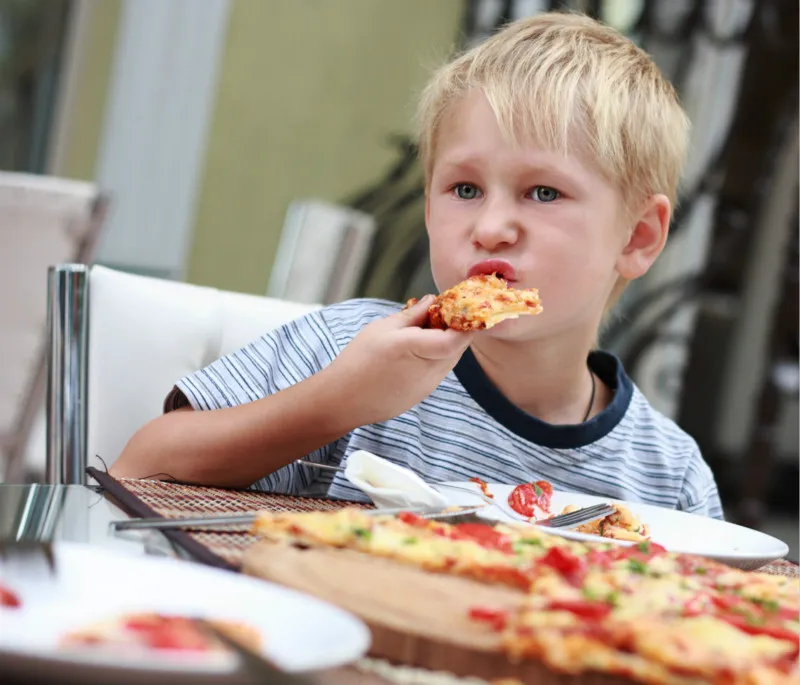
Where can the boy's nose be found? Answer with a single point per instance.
(494, 228)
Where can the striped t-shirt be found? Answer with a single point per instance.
(466, 427)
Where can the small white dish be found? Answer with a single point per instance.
(299, 633)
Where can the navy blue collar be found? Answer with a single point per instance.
(605, 366)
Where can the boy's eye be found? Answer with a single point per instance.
(544, 194)
(466, 191)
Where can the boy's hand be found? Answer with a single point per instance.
(393, 364)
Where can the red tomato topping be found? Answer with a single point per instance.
(592, 611)
(412, 519)
(8, 598)
(496, 618)
(776, 632)
(572, 567)
(168, 632)
(525, 498)
(508, 575)
(644, 552)
(484, 535)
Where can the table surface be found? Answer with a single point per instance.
(77, 513)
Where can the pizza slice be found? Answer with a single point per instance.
(158, 631)
(481, 302)
(636, 611)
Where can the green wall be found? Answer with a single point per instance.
(308, 92)
(87, 113)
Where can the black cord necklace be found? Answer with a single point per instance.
(591, 399)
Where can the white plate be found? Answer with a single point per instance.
(676, 530)
(299, 632)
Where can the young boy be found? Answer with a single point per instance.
(552, 154)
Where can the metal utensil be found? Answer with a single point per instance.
(249, 519)
(253, 663)
(576, 518)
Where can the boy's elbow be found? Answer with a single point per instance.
(131, 462)
(146, 451)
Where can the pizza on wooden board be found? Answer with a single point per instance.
(637, 611)
(480, 302)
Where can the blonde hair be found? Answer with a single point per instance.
(567, 83)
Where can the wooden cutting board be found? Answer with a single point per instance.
(416, 618)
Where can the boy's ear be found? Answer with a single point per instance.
(646, 239)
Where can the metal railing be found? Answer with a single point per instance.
(67, 372)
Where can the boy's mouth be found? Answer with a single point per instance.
(494, 266)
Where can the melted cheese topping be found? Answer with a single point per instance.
(481, 302)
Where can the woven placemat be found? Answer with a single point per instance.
(781, 568)
(145, 498)
(222, 548)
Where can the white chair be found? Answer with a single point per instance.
(43, 220)
(111, 363)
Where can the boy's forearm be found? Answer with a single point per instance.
(237, 446)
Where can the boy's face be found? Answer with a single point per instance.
(538, 218)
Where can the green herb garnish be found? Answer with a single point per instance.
(637, 566)
(766, 604)
(534, 542)
(590, 594)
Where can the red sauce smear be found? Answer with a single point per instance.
(496, 618)
(525, 498)
(483, 485)
(591, 611)
(9, 599)
(168, 632)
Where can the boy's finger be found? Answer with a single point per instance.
(436, 345)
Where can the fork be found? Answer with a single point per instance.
(576, 518)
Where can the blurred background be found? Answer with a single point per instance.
(264, 146)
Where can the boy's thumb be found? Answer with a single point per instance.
(416, 312)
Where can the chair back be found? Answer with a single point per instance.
(143, 335)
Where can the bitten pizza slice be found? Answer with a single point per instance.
(481, 302)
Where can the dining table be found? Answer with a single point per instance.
(84, 514)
